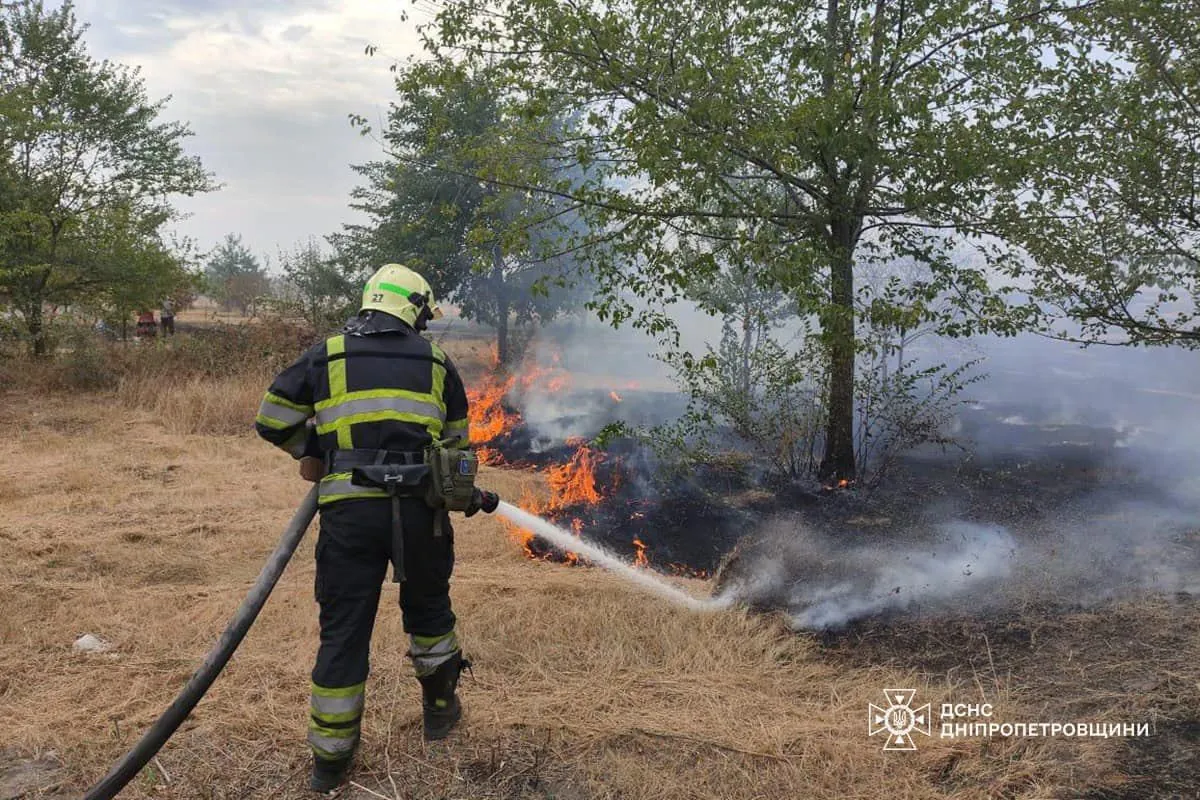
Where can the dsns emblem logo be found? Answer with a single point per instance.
(899, 720)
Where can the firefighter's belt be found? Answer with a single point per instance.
(399, 481)
(346, 460)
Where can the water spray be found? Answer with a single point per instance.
(644, 578)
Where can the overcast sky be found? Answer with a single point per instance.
(266, 86)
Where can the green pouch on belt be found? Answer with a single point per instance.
(451, 477)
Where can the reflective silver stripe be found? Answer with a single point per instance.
(446, 645)
(341, 487)
(290, 416)
(333, 745)
(425, 664)
(404, 405)
(427, 658)
(337, 705)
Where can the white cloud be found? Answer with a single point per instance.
(267, 88)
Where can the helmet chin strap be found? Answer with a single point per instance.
(423, 313)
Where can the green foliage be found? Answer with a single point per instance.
(488, 248)
(233, 275)
(1113, 223)
(763, 397)
(85, 170)
(315, 288)
(903, 408)
(86, 366)
(819, 138)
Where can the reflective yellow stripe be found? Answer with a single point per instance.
(430, 652)
(334, 498)
(374, 394)
(429, 644)
(334, 717)
(356, 404)
(337, 705)
(439, 377)
(332, 743)
(336, 346)
(338, 487)
(342, 425)
(271, 397)
(439, 388)
(273, 424)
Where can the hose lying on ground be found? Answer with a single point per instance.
(214, 662)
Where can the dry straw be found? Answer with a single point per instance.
(135, 519)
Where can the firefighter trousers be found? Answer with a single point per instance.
(354, 549)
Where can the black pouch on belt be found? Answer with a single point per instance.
(398, 480)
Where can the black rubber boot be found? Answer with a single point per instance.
(441, 705)
(327, 775)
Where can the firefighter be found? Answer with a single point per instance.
(375, 396)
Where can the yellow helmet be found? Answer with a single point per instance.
(397, 290)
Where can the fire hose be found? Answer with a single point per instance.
(150, 743)
(153, 740)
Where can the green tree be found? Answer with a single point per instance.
(859, 132)
(315, 286)
(86, 168)
(135, 268)
(1114, 224)
(488, 249)
(234, 276)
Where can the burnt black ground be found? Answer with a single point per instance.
(1089, 632)
(1132, 661)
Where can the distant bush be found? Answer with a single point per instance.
(206, 381)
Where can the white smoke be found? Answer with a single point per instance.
(825, 583)
(966, 560)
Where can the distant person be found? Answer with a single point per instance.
(146, 328)
(166, 316)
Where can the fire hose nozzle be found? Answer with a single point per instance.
(483, 500)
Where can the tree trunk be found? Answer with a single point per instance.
(747, 349)
(37, 327)
(837, 463)
(502, 306)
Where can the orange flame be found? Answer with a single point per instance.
(571, 484)
(639, 559)
(575, 481)
(552, 379)
(486, 414)
(487, 417)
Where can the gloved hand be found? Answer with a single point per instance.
(482, 500)
(312, 469)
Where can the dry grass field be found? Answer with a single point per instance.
(143, 514)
